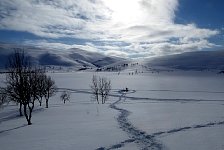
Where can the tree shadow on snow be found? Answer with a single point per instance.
(3, 131)
(14, 115)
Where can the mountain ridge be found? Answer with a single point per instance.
(76, 58)
(198, 60)
(80, 59)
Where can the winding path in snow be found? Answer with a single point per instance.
(144, 140)
(136, 135)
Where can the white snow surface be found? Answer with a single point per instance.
(160, 111)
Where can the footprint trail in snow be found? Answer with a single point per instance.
(144, 140)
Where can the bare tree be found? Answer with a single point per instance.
(107, 89)
(50, 89)
(32, 93)
(3, 96)
(41, 85)
(104, 88)
(20, 83)
(65, 96)
(101, 86)
(18, 66)
(94, 88)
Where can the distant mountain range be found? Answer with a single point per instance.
(200, 60)
(81, 59)
(76, 58)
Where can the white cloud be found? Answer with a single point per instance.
(59, 46)
(116, 53)
(146, 26)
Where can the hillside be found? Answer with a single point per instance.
(75, 58)
(80, 59)
(201, 60)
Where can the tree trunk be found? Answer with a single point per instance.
(20, 109)
(97, 98)
(102, 99)
(28, 119)
(46, 102)
(30, 115)
(40, 101)
(47, 98)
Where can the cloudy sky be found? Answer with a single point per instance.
(128, 28)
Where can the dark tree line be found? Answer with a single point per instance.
(26, 84)
(100, 87)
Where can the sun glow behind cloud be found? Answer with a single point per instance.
(125, 12)
(142, 12)
(135, 28)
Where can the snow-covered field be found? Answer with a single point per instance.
(183, 111)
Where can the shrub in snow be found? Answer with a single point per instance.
(95, 89)
(65, 96)
(104, 88)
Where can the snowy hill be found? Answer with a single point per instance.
(190, 61)
(75, 58)
(79, 59)
(96, 59)
(202, 60)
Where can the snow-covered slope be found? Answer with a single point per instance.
(202, 60)
(75, 58)
(194, 61)
(96, 59)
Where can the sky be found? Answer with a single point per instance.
(125, 28)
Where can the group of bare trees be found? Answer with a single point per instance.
(100, 87)
(26, 84)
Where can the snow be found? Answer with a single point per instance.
(163, 116)
(75, 125)
(203, 139)
(160, 111)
